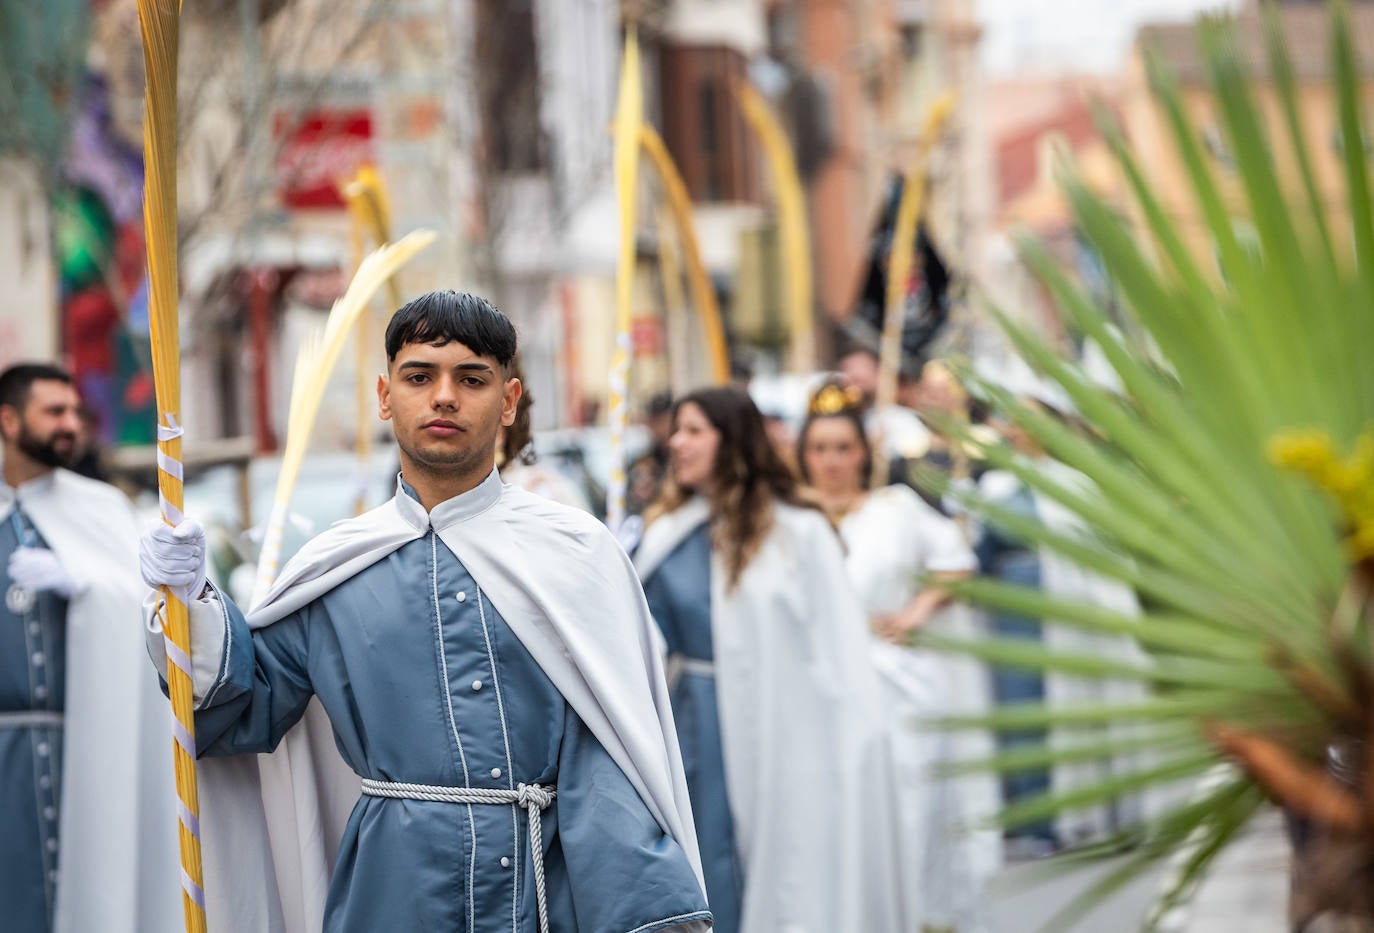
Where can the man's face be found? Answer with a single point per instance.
(446, 405)
(48, 429)
(861, 371)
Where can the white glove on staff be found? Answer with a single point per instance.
(37, 569)
(175, 558)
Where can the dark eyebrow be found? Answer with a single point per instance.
(474, 367)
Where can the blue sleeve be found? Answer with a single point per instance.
(263, 688)
(624, 871)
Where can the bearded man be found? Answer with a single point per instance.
(86, 839)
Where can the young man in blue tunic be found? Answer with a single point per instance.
(485, 662)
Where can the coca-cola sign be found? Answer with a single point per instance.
(319, 150)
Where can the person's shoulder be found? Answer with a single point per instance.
(802, 520)
(523, 507)
(904, 502)
(355, 526)
(92, 488)
(896, 496)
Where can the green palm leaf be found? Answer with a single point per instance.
(1255, 613)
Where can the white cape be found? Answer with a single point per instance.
(117, 864)
(568, 592)
(802, 731)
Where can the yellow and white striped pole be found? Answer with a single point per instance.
(628, 120)
(159, 21)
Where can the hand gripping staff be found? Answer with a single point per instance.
(159, 21)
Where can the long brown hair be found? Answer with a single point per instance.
(748, 477)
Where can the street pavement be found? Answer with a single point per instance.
(1246, 892)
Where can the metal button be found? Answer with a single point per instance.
(44, 781)
(52, 844)
(49, 813)
(34, 629)
(496, 772)
(505, 862)
(462, 596)
(38, 659)
(40, 692)
(43, 749)
(476, 685)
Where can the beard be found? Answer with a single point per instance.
(46, 450)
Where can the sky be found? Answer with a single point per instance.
(1071, 35)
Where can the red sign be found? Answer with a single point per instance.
(320, 150)
(646, 335)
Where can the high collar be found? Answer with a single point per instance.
(450, 512)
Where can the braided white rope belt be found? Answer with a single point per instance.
(535, 798)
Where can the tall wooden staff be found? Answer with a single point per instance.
(629, 116)
(899, 263)
(792, 227)
(159, 21)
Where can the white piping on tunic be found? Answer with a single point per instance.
(510, 769)
(37, 736)
(453, 724)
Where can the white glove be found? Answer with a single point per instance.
(174, 557)
(37, 569)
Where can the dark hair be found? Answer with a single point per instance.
(18, 380)
(517, 444)
(441, 317)
(660, 403)
(854, 417)
(748, 476)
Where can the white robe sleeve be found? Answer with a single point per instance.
(210, 635)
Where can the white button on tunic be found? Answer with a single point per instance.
(462, 596)
(476, 685)
(505, 862)
(495, 772)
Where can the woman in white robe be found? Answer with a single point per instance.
(898, 549)
(772, 687)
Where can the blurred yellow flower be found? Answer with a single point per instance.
(1350, 481)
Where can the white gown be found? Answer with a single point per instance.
(891, 540)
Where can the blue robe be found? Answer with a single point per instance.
(677, 595)
(424, 683)
(32, 688)
(1007, 558)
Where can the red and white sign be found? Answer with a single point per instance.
(646, 335)
(321, 150)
